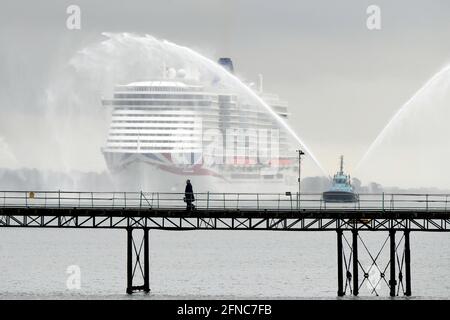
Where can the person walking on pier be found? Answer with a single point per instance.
(189, 196)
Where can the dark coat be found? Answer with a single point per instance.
(189, 193)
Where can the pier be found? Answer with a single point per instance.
(397, 215)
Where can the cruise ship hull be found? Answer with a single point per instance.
(141, 171)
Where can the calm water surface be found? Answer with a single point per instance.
(203, 264)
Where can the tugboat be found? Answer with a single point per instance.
(341, 189)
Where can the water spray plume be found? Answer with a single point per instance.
(123, 58)
(412, 151)
(220, 70)
(405, 107)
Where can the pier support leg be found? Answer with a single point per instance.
(136, 266)
(339, 262)
(146, 261)
(392, 281)
(355, 262)
(407, 264)
(129, 260)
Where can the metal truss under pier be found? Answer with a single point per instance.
(217, 219)
(349, 223)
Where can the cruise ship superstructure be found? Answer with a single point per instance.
(169, 128)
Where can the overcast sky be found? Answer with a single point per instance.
(343, 82)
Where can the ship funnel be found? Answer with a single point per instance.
(227, 64)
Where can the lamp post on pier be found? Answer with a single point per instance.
(300, 154)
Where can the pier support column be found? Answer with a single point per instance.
(392, 281)
(407, 264)
(129, 260)
(355, 262)
(138, 266)
(146, 261)
(339, 262)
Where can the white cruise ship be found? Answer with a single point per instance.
(163, 131)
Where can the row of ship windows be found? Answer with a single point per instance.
(156, 103)
(155, 128)
(144, 148)
(198, 104)
(167, 148)
(153, 121)
(207, 108)
(170, 89)
(149, 134)
(192, 118)
(165, 96)
(247, 140)
(118, 138)
(182, 115)
(182, 127)
(223, 105)
(192, 90)
(175, 137)
(151, 141)
(178, 130)
(156, 146)
(245, 146)
(210, 119)
(214, 123)
(210, 123)
(160, 115)
(156, 143)
(146, 108)
(214, 115)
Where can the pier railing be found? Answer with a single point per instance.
(219, 201)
